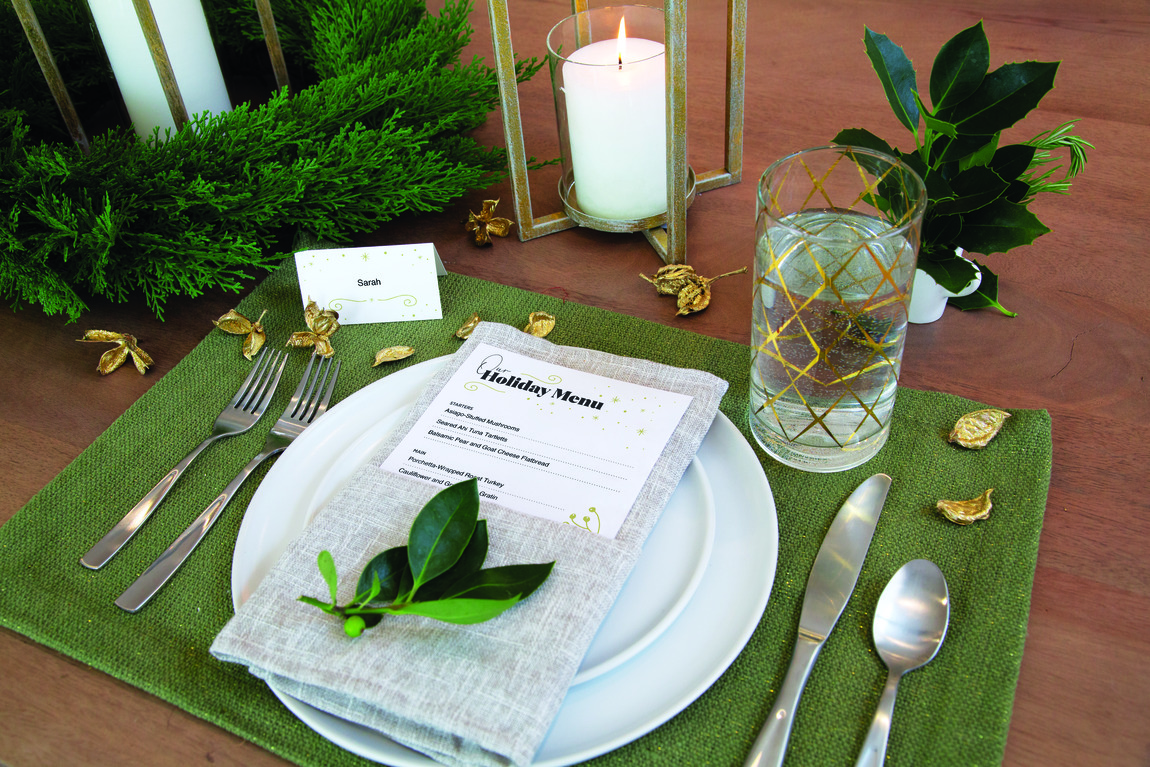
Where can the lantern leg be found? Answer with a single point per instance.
(675, 249)
(163, 63)
(529, 227)
(275, 50)
(732, 172)
(47, 61)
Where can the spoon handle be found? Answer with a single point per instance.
(873, 752)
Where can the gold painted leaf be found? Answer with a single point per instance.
(301, 339)
(233, 322)
(539, 324)
(305, 338)
(966, 512)
(468, 326)
(106, 336)
(323, 347)
(671, 278)
(391, 354)
(140, 357)
(694, 297)
(975, 430)
(253, 342)
(322, 322)
(112, 359)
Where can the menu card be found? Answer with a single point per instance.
(542, 439)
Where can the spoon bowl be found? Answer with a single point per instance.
(909, 626)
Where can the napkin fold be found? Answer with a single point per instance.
(484, 694)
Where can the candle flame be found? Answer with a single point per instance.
(622, 41)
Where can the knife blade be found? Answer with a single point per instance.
(829, 586)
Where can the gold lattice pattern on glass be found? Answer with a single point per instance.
(809, 345)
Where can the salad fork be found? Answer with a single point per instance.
(308, 403)
(239, 416)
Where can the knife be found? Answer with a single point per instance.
(832, 579)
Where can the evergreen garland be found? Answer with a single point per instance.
(381, 130)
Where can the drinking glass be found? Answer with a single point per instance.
(837, 237)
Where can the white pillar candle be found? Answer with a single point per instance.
(190, 50)
(617, 127)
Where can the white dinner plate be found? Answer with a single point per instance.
(693, 619)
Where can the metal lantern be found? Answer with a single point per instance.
(159, 55)
(667, 231)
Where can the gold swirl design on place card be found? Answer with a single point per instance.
(586, 525)
(552, 379)
(337, 303)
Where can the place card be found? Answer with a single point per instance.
(542, 439)
(388, 283)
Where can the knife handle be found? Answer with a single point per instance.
(771, 745)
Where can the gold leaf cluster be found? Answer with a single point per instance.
(237, 324)
(321, 325)
(691, 290)
(485, 223)
(966, 512)
(126, 346)
(975, 430)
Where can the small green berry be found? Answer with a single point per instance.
(353, 626)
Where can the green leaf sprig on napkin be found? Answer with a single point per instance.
(439, 573)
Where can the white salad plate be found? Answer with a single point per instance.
(680, 620)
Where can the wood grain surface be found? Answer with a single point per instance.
(1079, 347)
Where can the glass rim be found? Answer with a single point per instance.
(919, 205)
(587, 13)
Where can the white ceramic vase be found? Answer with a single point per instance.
(928, 298)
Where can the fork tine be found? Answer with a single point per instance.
(327, 393)
(260, 384)
(261, 361)
(311, 402)
(305, 402)
(293, 405)
(270, 386)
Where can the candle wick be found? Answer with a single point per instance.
(620, 61)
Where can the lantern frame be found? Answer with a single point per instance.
(669, 239)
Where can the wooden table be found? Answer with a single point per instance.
(1077, 348)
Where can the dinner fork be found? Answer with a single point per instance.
(239, 416)
(308, 403)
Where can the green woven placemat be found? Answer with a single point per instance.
(955, 711)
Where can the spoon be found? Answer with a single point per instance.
(909, 626)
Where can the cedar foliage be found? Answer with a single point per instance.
(380, 130)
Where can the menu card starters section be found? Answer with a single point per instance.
(542, 439)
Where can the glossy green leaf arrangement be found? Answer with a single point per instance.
(978, 189)
(439, 573)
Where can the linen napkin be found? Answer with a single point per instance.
(484, 694)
